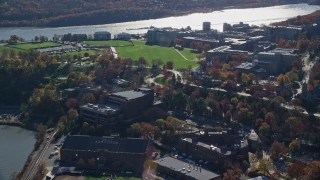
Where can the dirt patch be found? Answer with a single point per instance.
(69, 178)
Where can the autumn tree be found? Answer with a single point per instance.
(312, 171)
(271, 119)
(264, 131)
(295, 126)
(88, 98)
(232, 174)
(72, 115)
(179, 42)
(277, 150)
(169, 65)
(147, 129)
(263, 165)
(283, 79)
(295, 170)
(134, 130)
(294, 146)
(71, 103)
(159, 123)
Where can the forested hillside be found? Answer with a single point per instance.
(78, 12)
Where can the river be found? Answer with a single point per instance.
(253, 16)
(15, 146)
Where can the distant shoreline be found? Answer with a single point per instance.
(16, 124)
(99, 18)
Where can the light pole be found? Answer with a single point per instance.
(98, 163)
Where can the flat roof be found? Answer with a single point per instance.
(201, 39)
(112, 144)
(102, 108)
(246, 65)
(188, 170)
(211, 147)
(133, 94)
(220, 49)
(102, 32)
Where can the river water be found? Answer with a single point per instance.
(253, 16)
(15, 146)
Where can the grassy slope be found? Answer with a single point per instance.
(29, 46)
(157, 52)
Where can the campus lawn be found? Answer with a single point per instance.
(118, 178)
(115, 43)
(157, 52)
(29, 46)
(8, 48)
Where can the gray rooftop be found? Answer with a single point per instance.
(186, 169)
(129, 95)
(112, 144)
(208, 146)
(133, 94)
(108, 108)
(102, 32)
(246, 65)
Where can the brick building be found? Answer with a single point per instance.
(104, 153)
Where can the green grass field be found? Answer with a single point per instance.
(115, 43)
(157, 52)
(8, 48)
(29, 46)
(118, 178)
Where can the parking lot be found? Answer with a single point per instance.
(51, 156)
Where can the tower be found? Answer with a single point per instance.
(206, 26)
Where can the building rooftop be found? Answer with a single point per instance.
(186, 169)
(284, 51)
(124, 33)
(102, 32)
(220, 49)
(112, 144)
(201, 39)
(226, 49)
(133, 94)
(108, 108)
(213, 148)
(246, 65)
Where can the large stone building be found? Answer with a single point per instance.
(123, 36)
(283, 32)
(162, 37)
(188, 40)
(222, 53)
(104, 153)
(102, 35)
(119, 107)
(206, 26)
(277, 60)
(218, 147)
